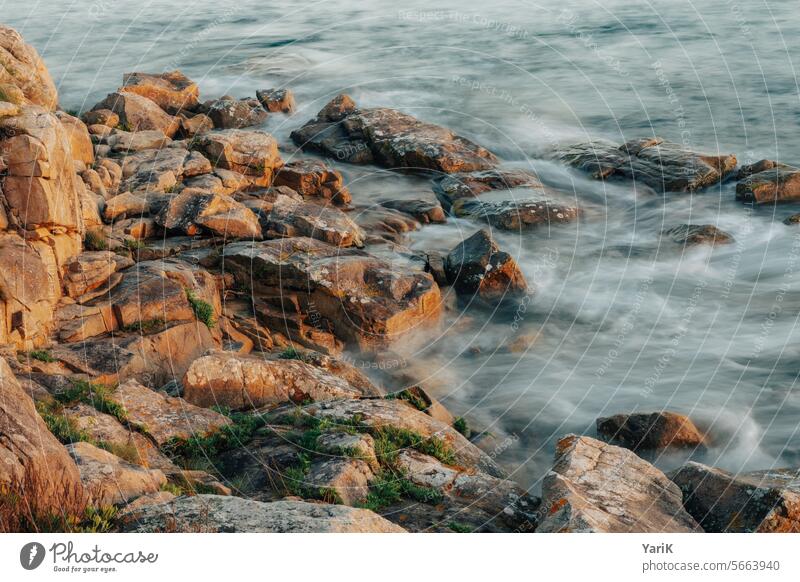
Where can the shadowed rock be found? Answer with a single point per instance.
(655, 431)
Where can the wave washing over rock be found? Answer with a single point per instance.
(267, 313)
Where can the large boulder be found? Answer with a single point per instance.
(389, 138)
(288, 218)
(597, 487)
(312, 178)
(767, 182)
(478, 269)
(161, 169)
(651, 432)
(137, 113)
(254, 153)
(194, 210)
(237, 381)
(230, 113)
(664, 166)
(33, 463)
(212, 513)
(367, 301)
(22, 67)
(172, 91)
(91, 271)
(761, 501)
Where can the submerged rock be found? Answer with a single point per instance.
(596, 487)
(212, 513)
(516, 209)
(664, 166)
(389, 138)
(699, 234)
(654, 431)
(477, 268)
(761, 501)
(454, 187)
(425, 211)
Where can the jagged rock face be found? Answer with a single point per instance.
(768, 182)
(254, 153)
(367, 301)
(137, 113)
(389, 138)
(761, 501)
(211, 513)
(664, 166)
(597, 487)
(650, 432)
(238, 382)
(91, 270)
(172, 91)
(699, 234)
(478, 269)
(29, 453)
(22, 67)
(289, 218)
(111, 480)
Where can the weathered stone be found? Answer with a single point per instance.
(425, 211)
(137, 113)
(516, 209)
(254, 153)
(211, 513)
(104, 117)
(162, 169)
(172, 91)
(368, 301)
(596, 487)
(165, 417)
(198, 481)
(22, 67)
(761, 501)
(237, 381)
(655, 431)
(478, 269)
(419, 398)
(29, 453)
(110, 480)
(361, 446)
(90, 270)
(79, 139)
(384, 224)
(468, 185)
(389, 138)
(664, 166)
(125, 142)
(229, 113)
(768, 182)
(289, 218)
(129, 205)
(192, 210)
(699, 234)
(276, 100)
(312, 178)
(342, 480)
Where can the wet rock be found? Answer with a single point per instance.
(210, 513)
(22, 67)
(388, 138)
(110, 480)
(172, 91)
(664, 166)
(28, 452)
(238, 381)
(254, 153)
(312, 178)
(366, 300)
(425, 211)
(654, 431)
(289, 218)
(165, 417)
(477, 268)
(384, 224)
(793, 219)
(276, 100)
(193, 210)
(344, 480)
(699, 234)
(596, 487)
(760, 501)
(229, 113)
(454, 187)
(517, 209)
(375, 413)
(768, 182)
(137, 113)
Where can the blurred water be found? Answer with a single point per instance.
(624, 321)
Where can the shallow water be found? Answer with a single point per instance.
(624, 320)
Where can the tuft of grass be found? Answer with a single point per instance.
(292, 353)
(176, 490)
(203, 310)
(460, 424)
(459, 527)
(127, 452)
(42, 356)
(389, 440)
(95, 240)
(240, 432)
(62, 427)
(133, 244)
(95, 395)
(97, 520)
(412, 396)
(146, 326)
(391, 486)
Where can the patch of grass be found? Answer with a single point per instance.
(97, 520)
(389, 440)
(145, 327)
(95, 240)
(127, 452)
(460, 424)
(459, 527)
(123, 126)
(95, 395)
(411, 396)
(42, 356)
(133, 244)
(239, 433)
(203, 310)
(390, 486)
(176, 490)
(292, 353)
(62, 427)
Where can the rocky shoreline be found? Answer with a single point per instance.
(180, 305)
